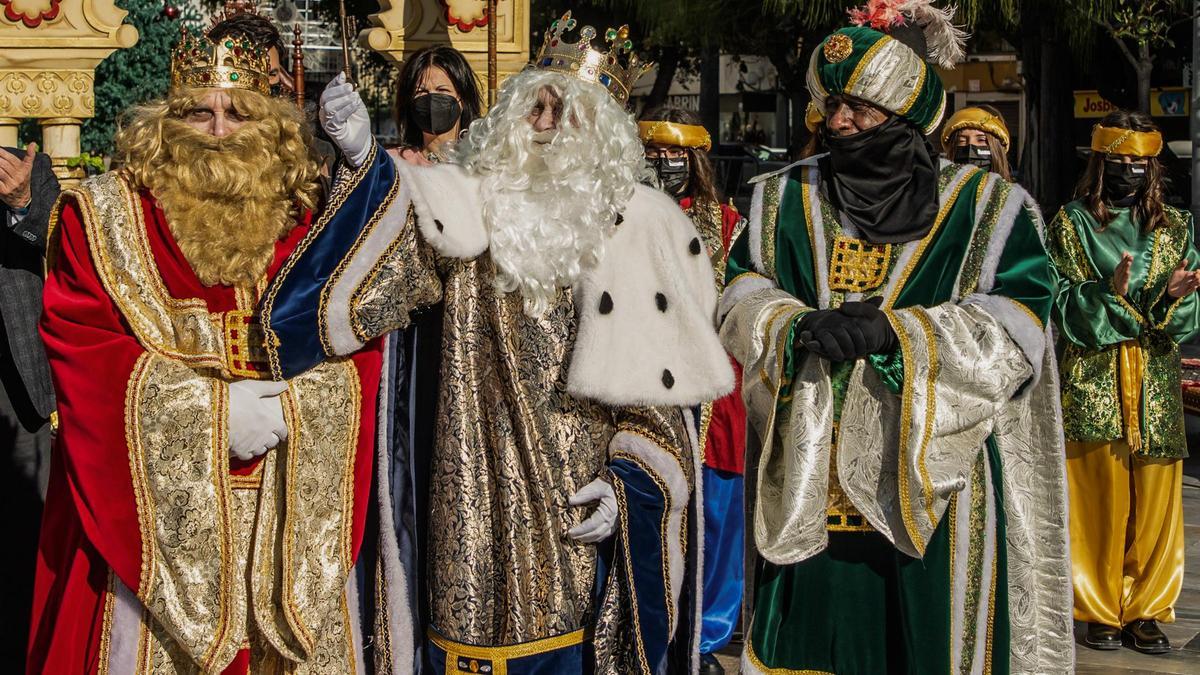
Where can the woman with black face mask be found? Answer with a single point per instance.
(437, 98)
(977, 135)
(677, 147)
(1126, 301)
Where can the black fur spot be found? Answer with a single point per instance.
(606, 304)
(668, 379)
(438, 224)
(694, 247)
(661, 301)
(620, 219)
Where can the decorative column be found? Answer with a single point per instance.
(403, 26)
(49, 50)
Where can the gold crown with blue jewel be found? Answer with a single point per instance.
(232, 62)
(617, 69)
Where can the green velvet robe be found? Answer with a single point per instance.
(909, 510)
(1093, 321)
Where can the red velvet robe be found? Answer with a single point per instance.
(725, 442)
(91, 522)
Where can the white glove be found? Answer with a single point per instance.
(256, 422)
(344, 117)
(603, 521)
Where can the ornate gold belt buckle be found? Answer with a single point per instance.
(858, 266)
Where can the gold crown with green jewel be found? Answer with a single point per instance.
(617, 69)
(232, 62)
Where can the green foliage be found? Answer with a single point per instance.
(136, 75)
(1144, 22)
(92, 164)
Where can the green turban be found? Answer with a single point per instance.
(875, 67)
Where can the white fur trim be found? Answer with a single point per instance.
(639, 353)
(989, 186)
(816, 220)
(1039, 220)
(126, 629)
(355, 619)
(689, 419)
(748, 667)
(445, 194)
(669, 471)
(754, 228)
(757, 228)
(372, 243)
(1004, 227)
(1029, 336)
(739, 290)
(399, 618)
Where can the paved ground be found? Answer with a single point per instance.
(1184, 659)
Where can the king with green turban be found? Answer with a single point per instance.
(905, 481)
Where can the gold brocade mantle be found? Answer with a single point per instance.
(227, 562)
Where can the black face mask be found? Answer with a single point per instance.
(885, 180)
(675, 174)
(975, 155)
(436, 113)
(1123, 182)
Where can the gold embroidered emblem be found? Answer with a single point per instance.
(857, 265)
(838, 48)
(245, 356)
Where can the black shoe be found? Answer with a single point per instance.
(1145, 636)
(1102, 637)
(709, 665)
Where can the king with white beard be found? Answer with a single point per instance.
(550, 526)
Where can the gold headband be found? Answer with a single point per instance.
(1111, 141)
(672, 133)
(979, 119)
(813, 117)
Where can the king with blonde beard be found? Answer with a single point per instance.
(549, 526)
(200, 517)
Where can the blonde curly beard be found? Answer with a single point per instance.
(227, 200)
(224, 200)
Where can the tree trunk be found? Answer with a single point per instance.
(1049, 161)
(1144, 68)
(668, 65)
(710, 92)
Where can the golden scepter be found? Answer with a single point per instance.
(493, 75)
(347, 23)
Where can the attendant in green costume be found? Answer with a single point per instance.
(1126, 300)
(908, 508)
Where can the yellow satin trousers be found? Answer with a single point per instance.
(1126, 533)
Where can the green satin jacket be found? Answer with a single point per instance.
(1093, 321)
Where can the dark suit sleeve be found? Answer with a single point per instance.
(44, 191)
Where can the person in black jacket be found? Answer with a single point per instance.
(28, 190)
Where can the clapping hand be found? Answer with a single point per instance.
(15, 175)
(1120, 281)
(1182, 281)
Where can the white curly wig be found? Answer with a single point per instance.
(550, 206)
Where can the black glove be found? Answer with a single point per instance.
(853, 331)
(811, 323)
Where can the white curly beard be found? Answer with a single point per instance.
(550, 200)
